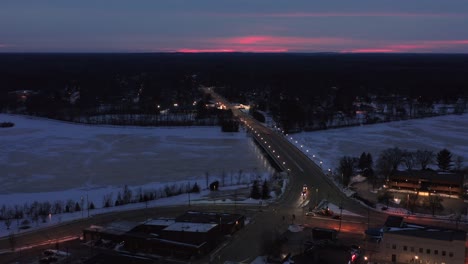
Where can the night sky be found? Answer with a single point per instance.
(434, 26)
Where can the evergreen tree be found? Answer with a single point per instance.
(255, 192)
(77, 207)
(346, 169)
(365, 164)
(444, 159)
(369, 160)
(195, 188)
(265, 190)
(362, 164)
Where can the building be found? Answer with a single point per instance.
(427, 181)
(413, 243)
(190, 235)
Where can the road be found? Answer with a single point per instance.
(300, 170)
(267, 222)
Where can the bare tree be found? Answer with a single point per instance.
(8, 223)
(127, 194)
(459, 163)
(383, 166)
(395, 157)
(107, 200)
(70, 206)
(57, 207)
(409, 159)
(424, 158)
(411, 201)
(434, 202)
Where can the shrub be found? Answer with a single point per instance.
(6, 124)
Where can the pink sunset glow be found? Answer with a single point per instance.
(220, 26)
(263, 43)
(420, 46)
(339, 14)
(269, 43)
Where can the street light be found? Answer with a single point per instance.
(316, 196)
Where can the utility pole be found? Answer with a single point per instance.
(341, 214)
(87, 201)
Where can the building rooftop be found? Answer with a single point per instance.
(208, 217)
(428, 175)
(115, 228)
(190, 227)
(428, 232)
(160, 222)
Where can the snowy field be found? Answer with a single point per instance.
(436, 133)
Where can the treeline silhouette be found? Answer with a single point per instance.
(301, 90)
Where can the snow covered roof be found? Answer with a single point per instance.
(116, 228)
(429, 232)
(190, 227)
(160, 222)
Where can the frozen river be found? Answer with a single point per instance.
(41, 155)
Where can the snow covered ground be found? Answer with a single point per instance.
(41, 155)
(436, 133)
(45, 160)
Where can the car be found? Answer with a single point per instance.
(304, 191)
(49, 252)
(337, 217)
(310, 214)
